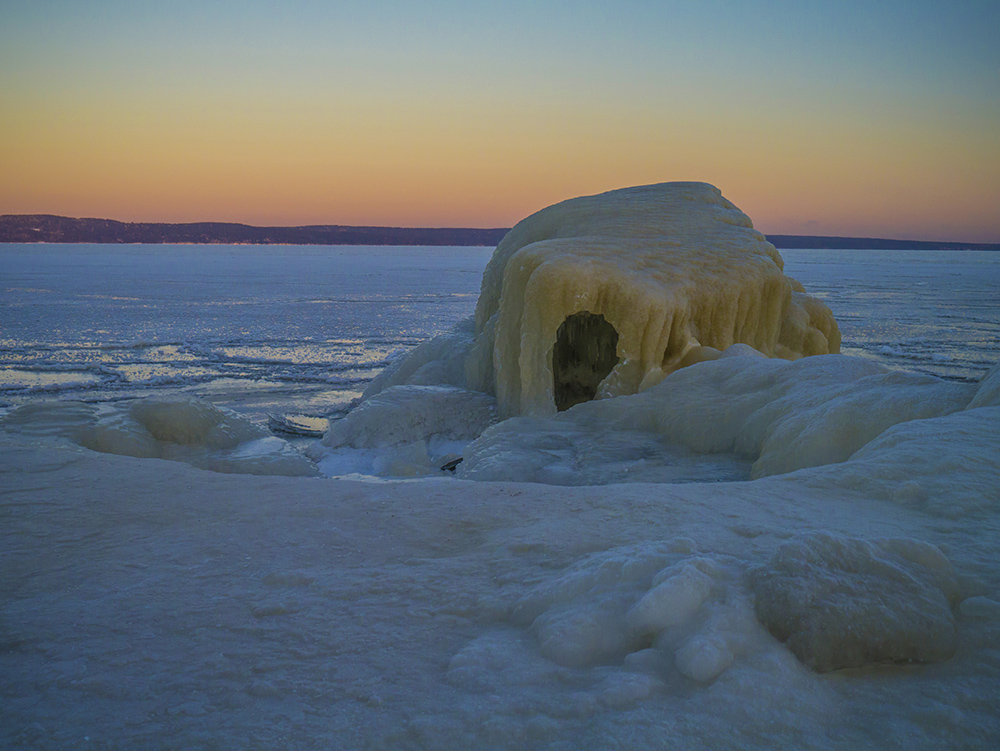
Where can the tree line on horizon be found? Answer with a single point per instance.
(47, 228)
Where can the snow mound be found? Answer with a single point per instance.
(178, 429)
(842, 602)
(605, 295)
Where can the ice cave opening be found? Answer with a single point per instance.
(585, 352)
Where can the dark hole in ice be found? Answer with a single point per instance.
(586, 350)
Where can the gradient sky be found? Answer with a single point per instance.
(848, 118)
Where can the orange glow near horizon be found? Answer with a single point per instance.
(444, 147)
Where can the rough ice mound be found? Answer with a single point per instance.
(658, 610)
(405, 431)
(988, 391)
(663, 617)
(841, 603)
(568, 450)
(178, 429)
(665, 297)
(437, 362)
(713, 419)
(407, 414)
(947, 466)
(604, 295)
(654, 618)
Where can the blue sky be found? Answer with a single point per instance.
(840, 118)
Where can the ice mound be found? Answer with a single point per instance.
(787, 416)
(179, 429)
(948, 466)
(663, 270)
(437, 362)
(567, 450)
(711, 419)
(842, 602)
(670, 613)
(404, 431)
(604, 295)
(407, 414)
(988, 391)
(658, 610)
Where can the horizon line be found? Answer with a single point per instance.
(783, 237)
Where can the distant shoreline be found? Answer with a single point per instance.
(46, 228)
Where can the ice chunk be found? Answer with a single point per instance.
(703, 658)
(844, 602)
(655, 272)
(671, 602)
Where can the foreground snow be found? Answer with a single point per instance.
(150, 604)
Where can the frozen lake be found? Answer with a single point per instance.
(301, 329)
(847, 596)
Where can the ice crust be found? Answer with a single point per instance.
(676, 269)
(182, 429)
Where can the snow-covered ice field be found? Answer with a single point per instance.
(754, 553)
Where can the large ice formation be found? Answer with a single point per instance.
(605, 295)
